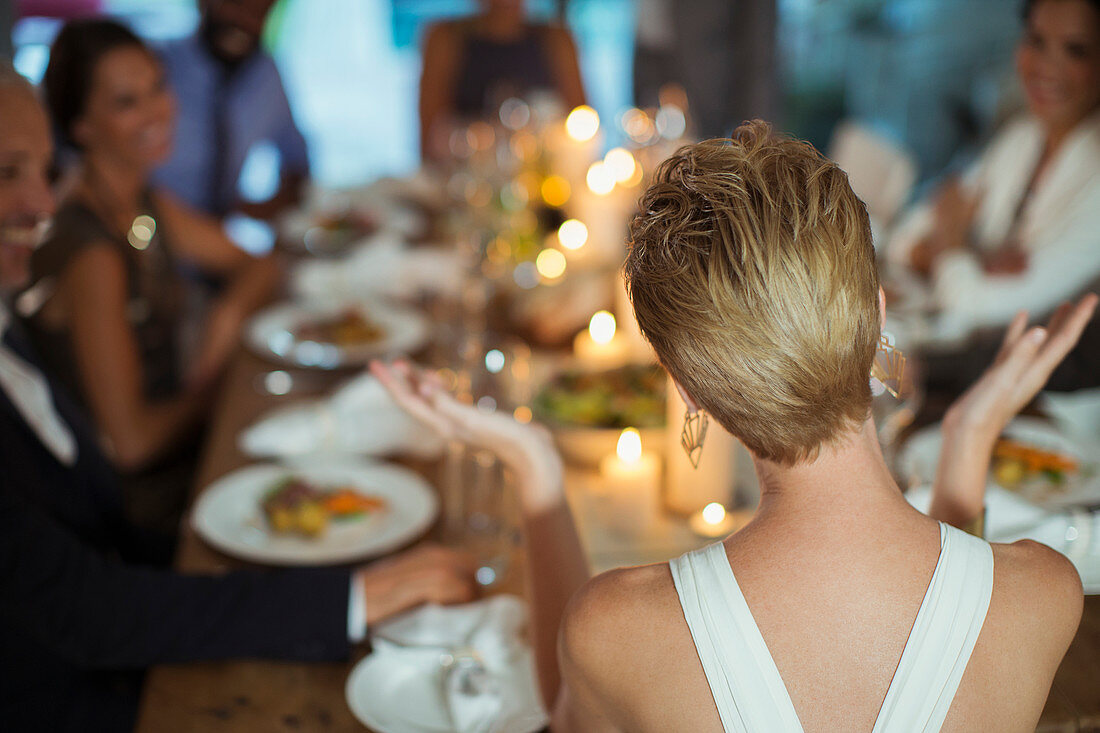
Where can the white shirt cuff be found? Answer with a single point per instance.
(357, 610)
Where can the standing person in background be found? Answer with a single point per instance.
(722, 52)
(231, 98)
(80, 615)
(474, 64)
(108, 299)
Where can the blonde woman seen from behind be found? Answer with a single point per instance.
(839, 606)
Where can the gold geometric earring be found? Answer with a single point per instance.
(888, 369)
(693, 434)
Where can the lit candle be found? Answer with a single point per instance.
(573, 146)
(629, 483)
(712, 521)
(597, 347)
(636, 344)
(688, 488)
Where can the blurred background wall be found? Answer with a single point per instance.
(934, 75)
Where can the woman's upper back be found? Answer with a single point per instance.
(835, 625)
(748, 689)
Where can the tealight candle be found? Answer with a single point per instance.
(629, 483)
(711, 521)
(597, 347)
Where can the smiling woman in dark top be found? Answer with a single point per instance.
(111, 319)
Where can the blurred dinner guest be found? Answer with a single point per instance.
(107, 297)
(839, 606)
(473, 65)
(1020, 229)
(79, 616)
(231, 99)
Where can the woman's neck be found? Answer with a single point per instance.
(114, 182)
(501, 26)
(1057, 134)
(849, 479)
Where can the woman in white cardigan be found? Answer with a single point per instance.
(1022, 229)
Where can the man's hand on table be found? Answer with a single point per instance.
(425, 574)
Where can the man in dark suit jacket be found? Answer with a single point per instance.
(78, 617)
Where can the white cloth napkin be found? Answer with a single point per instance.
(360, 418)
(507, 699)
(381, 264)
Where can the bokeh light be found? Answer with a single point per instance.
(582, 123)
(572, 234)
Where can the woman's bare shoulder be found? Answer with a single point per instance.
(628, 602)
(1040, 590)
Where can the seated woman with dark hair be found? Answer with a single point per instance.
(472, 65)
(1019, 229)
(108, 279)
(839, 606)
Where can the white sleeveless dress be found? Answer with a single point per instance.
(745, 682)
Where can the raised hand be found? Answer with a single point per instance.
(526, 449)
(1023, 365)
(973, 423)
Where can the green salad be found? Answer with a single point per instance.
(631, 396)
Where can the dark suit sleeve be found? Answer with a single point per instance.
(101, 613)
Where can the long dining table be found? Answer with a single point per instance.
(263, 695)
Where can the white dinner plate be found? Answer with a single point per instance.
(273, 333)
(921, 453)
(228, 514)
(400, 690)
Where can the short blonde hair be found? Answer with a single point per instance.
(752, 274)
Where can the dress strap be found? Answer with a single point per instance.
(943, 636)
(743, 679)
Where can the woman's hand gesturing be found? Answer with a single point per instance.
(974, 422)
(526, 449)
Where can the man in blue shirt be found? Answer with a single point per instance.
(230, 99)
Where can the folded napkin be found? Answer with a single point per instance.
(360, 418)
(381, 264)
(490, 686)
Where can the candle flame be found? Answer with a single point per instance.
(714, 513)
(602, 327)
(629, 447)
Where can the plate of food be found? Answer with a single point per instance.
(587, 410)
(327, 232)
(1032, 459)
(314, 513)
(333, 335)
